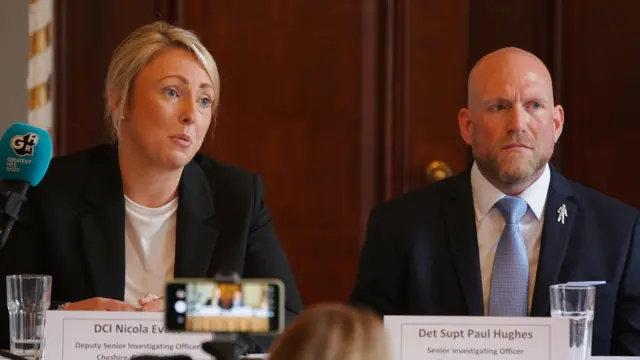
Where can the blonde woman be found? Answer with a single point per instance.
(333, 332)
(113, 223)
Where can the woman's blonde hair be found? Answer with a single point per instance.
(332, 332)
(137, 50)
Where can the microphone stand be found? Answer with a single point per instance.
(10, 205)
(225, 346)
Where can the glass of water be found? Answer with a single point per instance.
(575, 302)
(28, 298)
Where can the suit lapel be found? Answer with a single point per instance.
(554, 243)
(102, 226)
(196, 234)
(461, 226)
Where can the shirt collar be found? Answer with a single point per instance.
(485, 195)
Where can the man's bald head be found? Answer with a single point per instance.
(506, 62)
(511, 122)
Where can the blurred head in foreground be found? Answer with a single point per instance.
(332, 332)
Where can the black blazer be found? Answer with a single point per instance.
(421, 257)
(72, 227)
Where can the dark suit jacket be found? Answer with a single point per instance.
(72, 227)
(421, 257)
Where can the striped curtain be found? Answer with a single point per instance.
(40, 73)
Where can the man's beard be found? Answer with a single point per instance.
(513, 168)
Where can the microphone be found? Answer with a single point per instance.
(25, 154)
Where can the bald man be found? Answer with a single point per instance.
(491, 240)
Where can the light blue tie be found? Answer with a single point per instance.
(510, 278)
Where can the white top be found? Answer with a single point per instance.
(150, 238)
(490, 223)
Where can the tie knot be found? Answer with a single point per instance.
(512, 208)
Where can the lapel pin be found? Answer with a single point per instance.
(562, 213)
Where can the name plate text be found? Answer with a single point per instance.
(106, 335)
(477, 338)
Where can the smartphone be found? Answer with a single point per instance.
(201, 305)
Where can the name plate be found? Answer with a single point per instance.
(477, 338)
(107, 335)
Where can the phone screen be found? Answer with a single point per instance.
(249, 306)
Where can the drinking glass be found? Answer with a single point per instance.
(575, 302)
(28, 298)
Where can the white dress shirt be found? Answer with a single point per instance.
(490, 223)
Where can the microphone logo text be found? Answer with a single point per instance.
(24, 145)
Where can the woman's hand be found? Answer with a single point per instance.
(151, 302)
(99, 304)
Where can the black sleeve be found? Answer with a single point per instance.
(381, 269)
(626, 329)
(265, 258)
